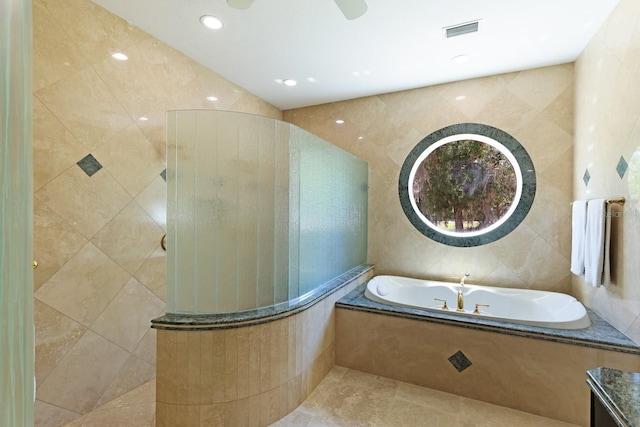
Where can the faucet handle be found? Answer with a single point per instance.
(476, 311)
(444, 307)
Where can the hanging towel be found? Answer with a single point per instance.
(606, 268)
(578, 226)
(594, 242)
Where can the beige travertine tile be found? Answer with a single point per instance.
(508, 112)
(55, 149)
(54, 242)
(56, 334)
(54, 55)
(471, 96)
(87, 203)
(541, 86)
(85, 106)
(130, 238)
(84, 286)
(545, 142)
(137, 95)
(128, 316)
(152, 273)
(146, 349)
(153, 199)
(154, 126)
(131, 159)
(66, 386)
(134, 373)
(47, 415)
(96, 32)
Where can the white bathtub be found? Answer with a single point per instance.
(522, 306)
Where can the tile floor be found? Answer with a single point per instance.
(346, 398)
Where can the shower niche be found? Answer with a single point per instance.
(260, 213)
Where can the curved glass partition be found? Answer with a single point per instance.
(259, 212)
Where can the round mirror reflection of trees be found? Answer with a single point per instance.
(465, 185)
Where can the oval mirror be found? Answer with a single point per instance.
(467, 185)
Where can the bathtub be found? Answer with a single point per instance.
(521, 306)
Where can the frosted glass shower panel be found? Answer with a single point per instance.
(227, 213)
(333, 212)
(259, 212)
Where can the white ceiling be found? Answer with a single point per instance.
(396, 45)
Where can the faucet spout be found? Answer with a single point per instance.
(460, 295)
(464, 277)
(460, 301)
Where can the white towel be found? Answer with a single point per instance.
(606, 268)
(578, 226)
(594, 242)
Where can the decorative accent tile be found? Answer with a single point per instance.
(163, 174)
(622, 167)
(89, 165)
(460, 361)
(586, 177)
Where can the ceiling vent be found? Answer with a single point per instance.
(458, 30)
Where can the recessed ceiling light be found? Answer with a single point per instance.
(212, 98)
(210, 21)
(460, 59)
(120, 56)
(143, 118)
(289, 82)
(460, 97)
(339, 121)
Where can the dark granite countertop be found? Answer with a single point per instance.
(599, 335)
(260, 315)
(619, 391)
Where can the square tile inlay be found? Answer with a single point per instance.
(89, 165)
(460, 361)
(586, 177)
(163, 174)
(622, 167)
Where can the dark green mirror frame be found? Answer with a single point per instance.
(510, 144)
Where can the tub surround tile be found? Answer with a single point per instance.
(459, 361)
(599, 335)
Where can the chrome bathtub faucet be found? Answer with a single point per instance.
(460, 296)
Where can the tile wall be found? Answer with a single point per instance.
(535, 106)
(536, 376)
(607, 156)
(99, 197)
(246, 376)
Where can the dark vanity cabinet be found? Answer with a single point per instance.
(615, 398)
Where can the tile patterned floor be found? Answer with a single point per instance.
(346, 398)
